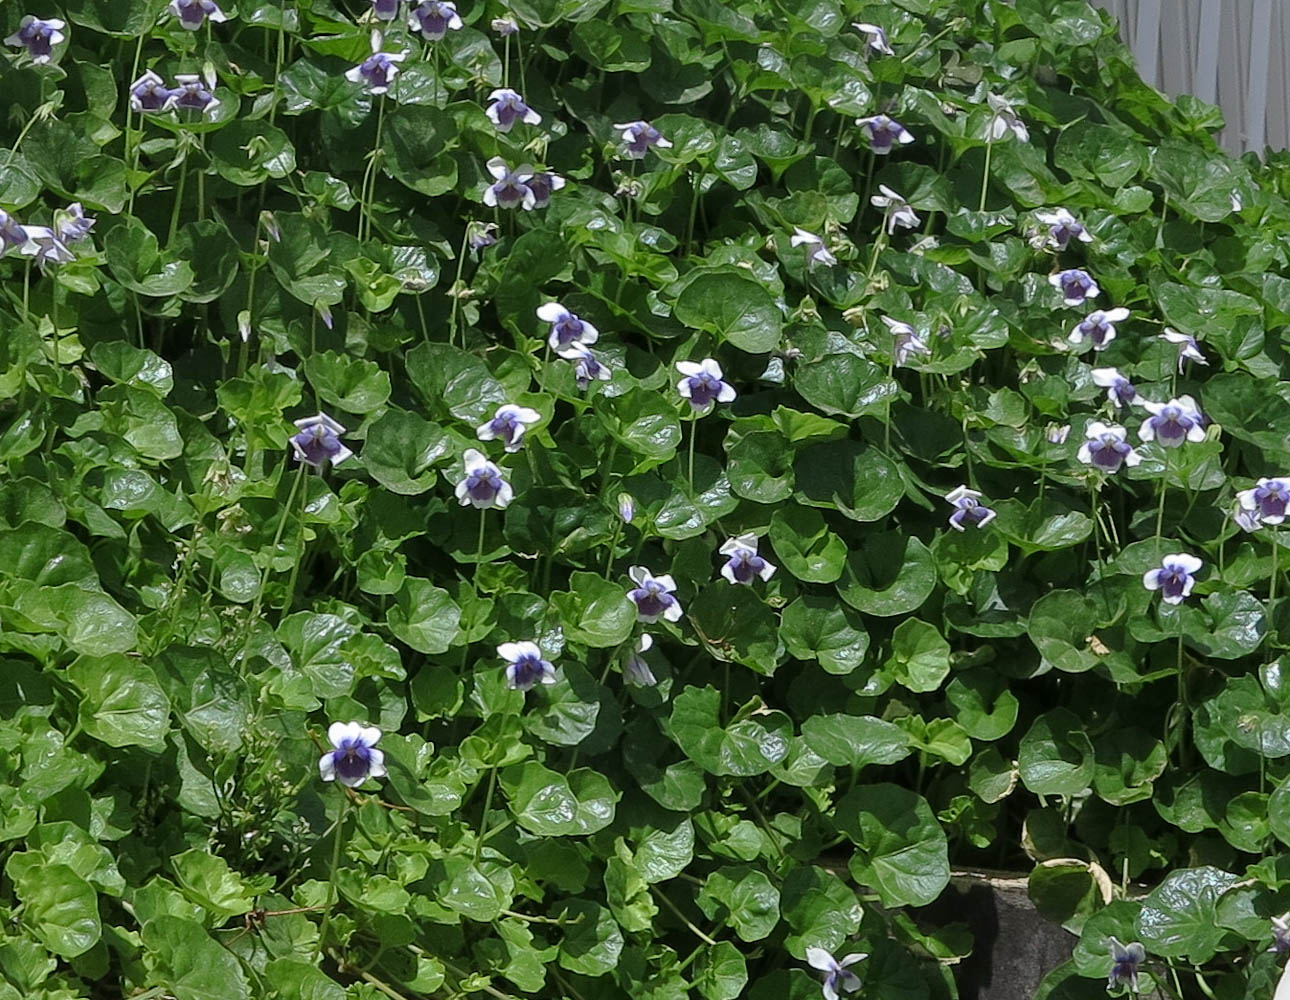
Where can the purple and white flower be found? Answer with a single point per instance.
(1119, 390)
(884, 133)
(483, 486)
(1098, 327)
(11, 234)
(899, 214)
(38, 36)
(566, 327)
(875, 39)
(543, 184)
(510, 188)
(1266, 501)
(1281, 934)
(355, 758)
(72, 224)
(192, 93)
(481, 234)
(704, 384)
(505, 26)
(149, 93)
(509, 424)
(44, 246)
(1175, 577)
(434, 19)
(378, 70)
(968, 509)
(1125, 962)
(636, 670)
(317, 441)
(1057, 433)
(1173, 422)
(1004, 121)
(816, 250)
(587, 367)
(652, 596)
(626, 507)
(1075, 286)
(193, 14)
(907, 341)
(508, 107)
(638, 137)
(1188, 349)
(525, 666)
(1106, 447)
(1063, 227)
(385, 10)
(838, 979)
(744, 564)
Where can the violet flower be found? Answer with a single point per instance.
(566, 327)
(543, 184)
(907, 341)
(1125, 962)
(816, 250)
(1281, 934)
(969, 511)
(899, 214)
(1107, 448)
(434, 19)
(378, 70)
(875, 39)
(1057, 433)
(1173, 422)
(508, 107)
(44, 246)
(1063, 227)
(481, 234)
(626, 507)
(1175, 577)
(505, 26)
(636, 670)
(525, 666)
(72, 224)
(510, 188)
(1188, 349)
(1098, 327)
(704, 384)
(355, 757)
(838, 978)
(149, 93)
(192, 94)
(385, 10)
(1119, 390)
(1266, 501)
(317, 441)
(744, 564)
(652, 596)
(483, 486)
(587, 367)
(1075, 286)
(638, 137)
(38, 36)
(193, 14)
(1004, 121)
(509, 424)
(11, 234)
(884, 133)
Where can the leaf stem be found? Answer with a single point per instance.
(331, 875)
(985, 174)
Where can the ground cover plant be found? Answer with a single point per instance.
(580, 498)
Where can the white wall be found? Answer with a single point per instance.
(1233, 53)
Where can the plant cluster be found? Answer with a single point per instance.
(580, 498)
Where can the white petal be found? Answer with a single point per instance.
(531, 117)
(690, 368)
(662, 143)
(369, 735)
(505, 495)
(1117, 315)
(1188, 562)
(638, 575)
(495, 117)
(1195, 433)
(490, 197)
(673, 612)
(1147, 431)
(548, 674)
(1132, 458)
(474, 460)
(727, 393)
(766, 571)
(327, 767)
(1084, 454)
(485, 431)
(526, 416)
(960, 493)
(710, 366)
(818, 958)
(728, 572)
(589, 333)
(497, 167)
(1106, 377)
(339, 732)
(683, 387)
(666, 582)
(1151, 579)
(854, 957)
(376, 760)
(354, 75)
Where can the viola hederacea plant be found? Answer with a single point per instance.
(838, 977)
(1174, 578)
(683, 656)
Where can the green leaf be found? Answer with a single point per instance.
(60, 907)
(920, 656)
(592, 941)
(735, 307)
(424, 616)
(738, 626)
(124, 705)
(860, 482)
(747, 747)
(1055, 756)
(350, 384)
(805, 545)
(643, 421)
(190, 964)
(745, 897)
(1179, 916)
(549, 805)
(846, 385)
(900, 848)
(854, 741)
(594, 611)
(454, 383)
(402, 451)
(816, 627)
(890, 574)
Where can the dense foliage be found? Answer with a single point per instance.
(714, 306)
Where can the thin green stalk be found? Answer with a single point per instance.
(985, 175)
(300, 550)
(676, 911)
(367, 191)
(1160, 508)
(694, 425)
(488, 804)
(179, 200)
(277, 537)
(1272, 593)
(454, 291)
(331, 874)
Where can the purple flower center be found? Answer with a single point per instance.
(746, 567)
(504, 426)
(972, 515)
(510, 110)
(652, 600)
(11, 234)
(883, 133)
(541, 186)
(1063, 232)
(483, 485)
(704, 388)
(526, 671)
(151, 95)
(644, 135)
(37, 36)
(510, 191)
(433, 19)
(194, 96)
(352, 759)
(588, 368)
(568, 328)
(1097, 329)
(193, 12)
(1075, 285)
(1108, 452)
(376, 69)
(1172, 424)
(318, 444)
(1272, 499)
(1124, 392)
(1173, 580)
(385, 10)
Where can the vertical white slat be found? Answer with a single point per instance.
(1146, 42)
(1207, 50)
(1260, 56)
